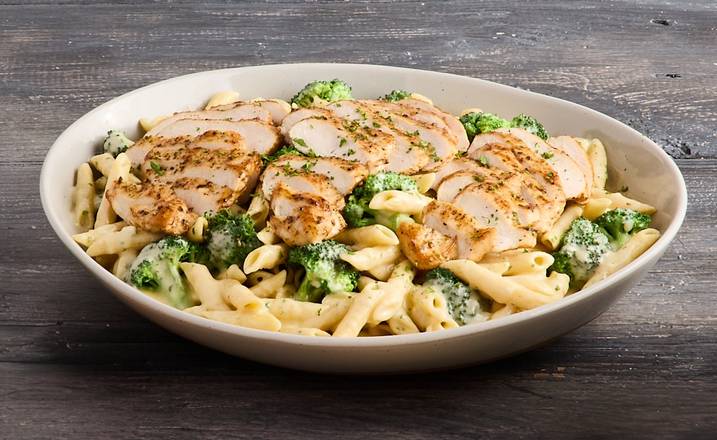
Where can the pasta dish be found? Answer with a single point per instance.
(328, 215)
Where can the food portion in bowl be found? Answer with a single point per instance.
(335, 216)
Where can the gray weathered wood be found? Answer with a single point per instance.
(75, 363)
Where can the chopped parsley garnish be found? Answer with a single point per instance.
(299, 141)
(157, 168)
(547, 155)
(483, 161)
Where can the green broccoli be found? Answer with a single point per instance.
(581, 251)
(156, 269)
(328, 91)
(396, 95)
(621, 223)
(529, 124)
(356, 212)
(477, 123)
(116, 142)
(325, 271)
(230, 238)
(287, 149)
(463, 303)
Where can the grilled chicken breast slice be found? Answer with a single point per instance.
(407, 156)
(150, 207)
(259, 137)
(343, 174)
(301, 218)
(455, 165)
(300, 182)
(298, 115)
(230, 112)
(438, 141)
(492, 210)
(276, 108)
(472, 240)
(456, 182)
(425, 247)
(452, 122)
(574, 181)
(571, 147)
(204, 179)
(335, 137)
(137, 152)
(540, 185)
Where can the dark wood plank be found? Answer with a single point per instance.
(75, 363)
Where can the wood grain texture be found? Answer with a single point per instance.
(75, 363)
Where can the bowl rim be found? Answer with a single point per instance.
(136, 298)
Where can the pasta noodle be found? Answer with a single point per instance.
(615, 261)
(196, 232)
(123, 262)
(267, 235)
(222, 98)
(269, 287)
(551, 238)
(120, 170)
(360, 310)
(148, 124)
(87, 238)
(370, 257)
(399, 284)
(424, 182)
(368, 236)
(498, 288)
(84, 198)
(126, 238)
(598, 160)
(267, 256)
(232, 272)
(429, 310)
(410, 203)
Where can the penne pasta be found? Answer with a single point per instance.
(369, 257)
(411, 203)
(615, 261)
(84, 198)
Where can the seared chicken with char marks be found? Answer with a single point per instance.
(300, 218)
(150, 207)
(343, 174)
(230, 112)
(259, 137)
(425, 247)
(472, 240)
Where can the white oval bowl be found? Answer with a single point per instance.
(634, 161)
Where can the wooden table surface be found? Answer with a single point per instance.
(75, 363)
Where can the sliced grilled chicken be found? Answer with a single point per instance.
(335, 137)
(202, 195)
(492, 210)
(574, 182)
(343, 174)
(425, 247)
(298, 115)
(259, 137)
(407, 156)
(300, 182)
(438, 141)
(150, 207)
(213, 140)
(456, 182)
(139, 150)
(427, 117)
(453, 123)
(473, 241)
(205, 179)
(278, 108)
(300, 218)
(454, 165)
(571, 147)
(539, 185)
(230, 112)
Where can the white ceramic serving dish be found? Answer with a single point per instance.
(634, 161)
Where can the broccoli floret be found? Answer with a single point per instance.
(396, 95)
(530, 124)
(116, 142)
(287, 149)
(581, 251)
(326, 91)
(356, 212)
(463, 303)
(156, 269)
(477, 123)
(230, 238)
(621, 223)
(325, 271)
